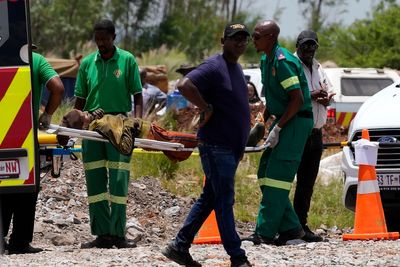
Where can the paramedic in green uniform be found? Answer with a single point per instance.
(288, 100)
(106, 80)
(20, 208)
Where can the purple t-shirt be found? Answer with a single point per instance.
(222, 84)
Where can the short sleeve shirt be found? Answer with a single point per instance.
(42, 73)
(108, 84)
(281, 74)
(222, 84)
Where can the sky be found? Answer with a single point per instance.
(292, 21)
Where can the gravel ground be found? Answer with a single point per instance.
(154, 216)
(335, 252)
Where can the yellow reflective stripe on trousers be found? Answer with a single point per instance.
(119, 165)
(98, 198)
(290, 81)
(118, 200)
(275, 183)
(95, 165)
(109, 164)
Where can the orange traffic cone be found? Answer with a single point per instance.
(208, 233)
(369, 222)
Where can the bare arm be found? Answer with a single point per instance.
(191, 93)
(138, 105)
(79, 103)
(56, 88)
(296, 100)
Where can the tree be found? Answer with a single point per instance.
(61, 27)
(312, 9)
(130, 17)
(369, 42)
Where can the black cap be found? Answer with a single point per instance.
(233, 28)
(307, 35)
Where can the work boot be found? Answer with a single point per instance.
(290, 237)
(23, 249)
(310, 236)
(178, 256)
(240, 261)
(122, 242)
(102, 241)
(259, 239)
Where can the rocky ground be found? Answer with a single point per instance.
(154, 216)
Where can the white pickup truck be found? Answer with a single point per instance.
(380, 115)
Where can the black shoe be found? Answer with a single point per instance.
(290, 237)
(259, 239)
(27, 249)
(240, 261)
(252, 238)
(102, 241)
(180, 257)
(122, 242)
(310, 236)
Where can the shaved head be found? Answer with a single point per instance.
(265, 36)
(268, 27)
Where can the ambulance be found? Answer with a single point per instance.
(353, 86)
(19, 171)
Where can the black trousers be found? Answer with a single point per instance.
(307, 174)
(21, 209)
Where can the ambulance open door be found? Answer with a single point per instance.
(18, 142)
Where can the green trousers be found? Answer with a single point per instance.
(277, 169)
(107, 177)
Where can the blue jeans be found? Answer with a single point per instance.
(219, 165)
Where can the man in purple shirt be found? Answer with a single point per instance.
(218, 88)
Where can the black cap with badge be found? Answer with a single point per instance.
(307, 35)
(233, 28)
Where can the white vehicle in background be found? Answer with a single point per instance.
(353, 86)
(255, 77)
(380, 114)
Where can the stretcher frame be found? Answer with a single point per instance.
(139, 142)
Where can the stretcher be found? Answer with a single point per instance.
(52, 154)
(139, 142)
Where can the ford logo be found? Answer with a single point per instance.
(387, 139)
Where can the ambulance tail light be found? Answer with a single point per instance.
(331, 117)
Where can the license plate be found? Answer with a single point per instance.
(388, 179)
(9, 168)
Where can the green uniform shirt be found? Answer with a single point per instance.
(280, 74)
(42, 72)
(108, 84)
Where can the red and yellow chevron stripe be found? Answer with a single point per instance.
(16, 129)
(344, 118)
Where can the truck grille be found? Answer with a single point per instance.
(388, 156)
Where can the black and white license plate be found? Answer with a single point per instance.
(9, 168)
(388, 179)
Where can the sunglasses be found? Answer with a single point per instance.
(239, 39)
(259, 36)
(309, 46)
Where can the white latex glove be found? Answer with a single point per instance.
(273, 136)
(44, 120)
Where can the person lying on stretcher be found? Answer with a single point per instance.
(121, 131)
